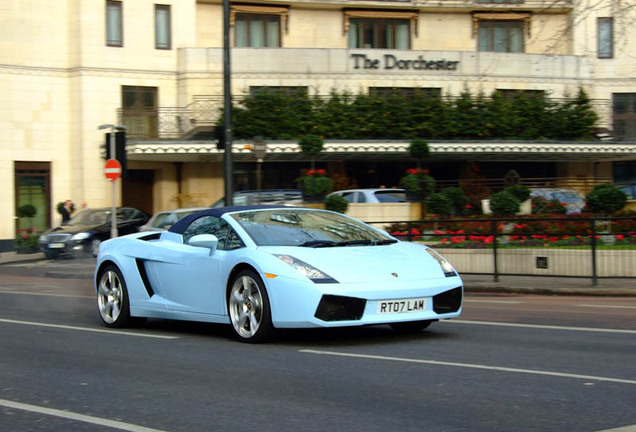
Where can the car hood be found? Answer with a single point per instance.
(74, 229)
(368, 263)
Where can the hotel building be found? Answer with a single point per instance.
(156, 67)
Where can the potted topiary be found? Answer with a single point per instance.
(418, 184)
(315, 185)
(605, 199)
(504, 204)
(336, 203)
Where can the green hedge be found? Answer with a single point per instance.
(274, 115)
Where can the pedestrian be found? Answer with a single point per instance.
(66, 211)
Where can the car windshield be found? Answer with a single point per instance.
(90, 217)
(309, 228)
(390, 196)
(568, 197)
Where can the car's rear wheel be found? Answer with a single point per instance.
(410, 326)
(112, 298)
(249, 309)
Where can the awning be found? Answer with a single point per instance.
(501, 16)
(282, 11)
(380, 14)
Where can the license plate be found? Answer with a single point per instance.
(401, 306)
(56, 246)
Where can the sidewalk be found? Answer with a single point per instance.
(473, 284)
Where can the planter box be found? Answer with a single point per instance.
(524, 209)
(547, 262)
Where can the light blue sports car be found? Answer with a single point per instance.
(262, 268)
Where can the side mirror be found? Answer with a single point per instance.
(208, 241)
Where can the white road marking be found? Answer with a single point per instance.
(472, 366)
(45, 294)
(607, 306)
(65, 327)
(546, 327)
(75, 416)
(493, 301)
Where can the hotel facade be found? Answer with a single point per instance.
(156, 67)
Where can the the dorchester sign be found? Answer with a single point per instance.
(392, 62)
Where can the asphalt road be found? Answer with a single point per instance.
(511, 363)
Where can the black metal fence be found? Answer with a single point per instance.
(577, 247)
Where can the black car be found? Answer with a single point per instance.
(86, 230)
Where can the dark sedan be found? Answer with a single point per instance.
(86, 230)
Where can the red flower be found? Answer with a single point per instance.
(321, 172)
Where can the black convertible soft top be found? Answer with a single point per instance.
(183, 223)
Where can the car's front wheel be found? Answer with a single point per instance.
(112, 298)
(410, 326)
(249, 309)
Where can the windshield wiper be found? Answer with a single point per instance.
(330, 243)
(319, 243)
(366, 242)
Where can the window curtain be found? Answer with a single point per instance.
(162, 19)
(113, 23)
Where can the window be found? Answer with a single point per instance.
(379, 33)
(501, 36)
(624, 115)
(162, 27)
(380, 28)
(33, 187)
(406, 92)
(139, 111)
(257, 31)
(217, 227)
(510, 94)
(114, 24)
(605, 37)
(280, 90)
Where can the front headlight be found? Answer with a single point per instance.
(43, 238)
(80, 236)
(448, 269)
(307, 270)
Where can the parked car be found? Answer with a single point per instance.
(88, 229)
(264, 196)
(165, 219)
(574, 201)
(378, 195)
(261, 268)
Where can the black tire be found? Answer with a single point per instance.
(410, 326)
(112, 298)
(49, 254)
(249, 309)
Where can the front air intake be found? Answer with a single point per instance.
(339, 308)
(448, 301)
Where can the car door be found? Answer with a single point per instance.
(191, 278)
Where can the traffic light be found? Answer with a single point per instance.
(120, 149)
(219, 134)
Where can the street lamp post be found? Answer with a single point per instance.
(113, 188)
